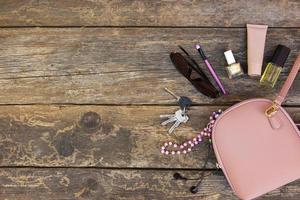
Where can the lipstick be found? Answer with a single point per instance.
(211, 69)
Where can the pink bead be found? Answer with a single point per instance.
(170, 143)
(181, 146)
(163, 148)
(200, 139)
(208, 134)
(162, 151)
(178, 152)
(184, 151)
(173, 152)
(185, 144)
(199, 136)
(190, 142)
(167, 152)
(192, 145)
(205, 134)
(189, 149)
(196, 142)
(194, 139)
(175, 145)
(166, 144)
(202, 133)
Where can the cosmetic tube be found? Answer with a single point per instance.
(256, 38)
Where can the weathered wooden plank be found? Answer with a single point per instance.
(123, 66)
(282, 13)
(94, 136)
(62, 183)
(105, 136)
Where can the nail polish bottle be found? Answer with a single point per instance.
(233, 69)
(274, 68)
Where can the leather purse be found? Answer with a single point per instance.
(257, 144)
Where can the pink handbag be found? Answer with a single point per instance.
(257, 144)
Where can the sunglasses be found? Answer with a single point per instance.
(189, 68)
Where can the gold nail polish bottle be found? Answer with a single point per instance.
(233, 69)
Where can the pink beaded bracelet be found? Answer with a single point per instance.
(171, 148)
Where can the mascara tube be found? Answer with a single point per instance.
(211, 69)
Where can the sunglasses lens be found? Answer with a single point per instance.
(193, 76)
(181, 64)
(206, 89)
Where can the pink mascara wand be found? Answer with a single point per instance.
(211, 69)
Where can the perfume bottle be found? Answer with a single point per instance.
(274, 67)
(233, 69)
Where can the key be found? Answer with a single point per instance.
(166, 116)
(183, 101)
(181, 118)
(178, 118)
(172, 93)
(175, 125)
(171, 119)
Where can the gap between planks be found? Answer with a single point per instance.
(144, 27)
(111, 168)
(194, 105)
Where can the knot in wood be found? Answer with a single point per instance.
(90, 121)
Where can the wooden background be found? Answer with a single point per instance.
(82, 90)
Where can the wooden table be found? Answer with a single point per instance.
(82, 90)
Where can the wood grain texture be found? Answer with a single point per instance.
(107, 136)
(67, 184)
(103, 136)
(281, 13)
(110, 150)
(124, 65)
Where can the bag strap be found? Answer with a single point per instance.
(288, 83)
(284, 90)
